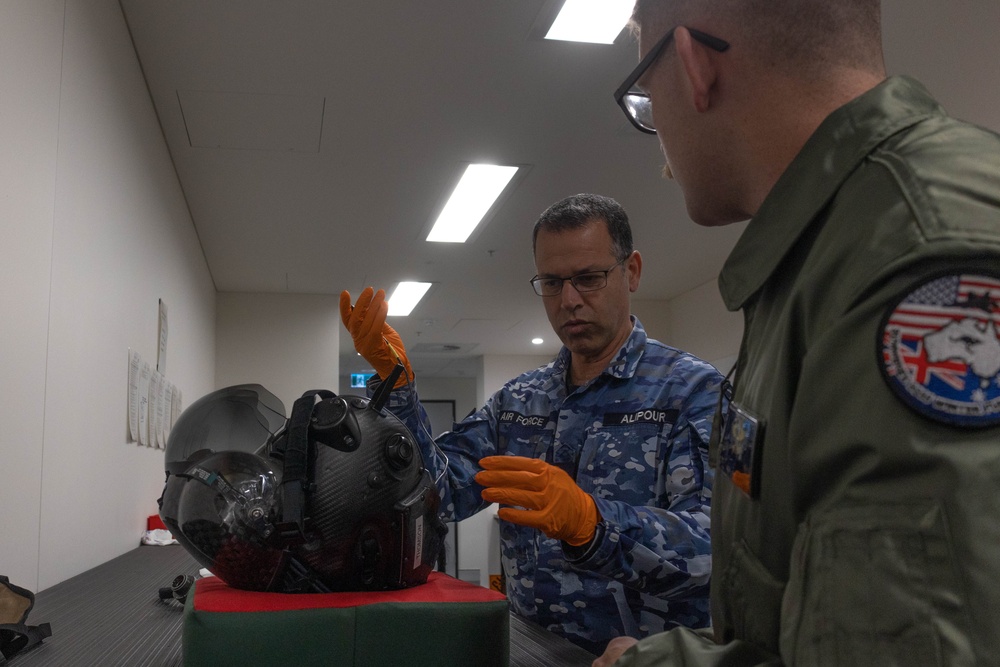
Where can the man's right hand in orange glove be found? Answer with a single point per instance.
(553, 502)
(375, 340)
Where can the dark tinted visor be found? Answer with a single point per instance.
(239, 418)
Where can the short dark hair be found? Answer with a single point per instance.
(583, 209)
(810, 37)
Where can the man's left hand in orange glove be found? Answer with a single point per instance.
(553, 502)
(375, 340)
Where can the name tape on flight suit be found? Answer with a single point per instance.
(610, 418)
(641, 417)
(530, 421)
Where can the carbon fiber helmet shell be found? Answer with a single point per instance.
(373, 507)
(369, 509)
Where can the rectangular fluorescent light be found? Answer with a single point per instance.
(480, 186)
(595, 21)
(405, 297)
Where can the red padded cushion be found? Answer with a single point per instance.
(213, 595)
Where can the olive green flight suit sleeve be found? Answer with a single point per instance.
(687, 647)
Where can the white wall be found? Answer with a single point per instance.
(497, 370)
(462, 390)
(655, 316)
(286, 342)
(30, 33)
(701, 325)
(95, 230)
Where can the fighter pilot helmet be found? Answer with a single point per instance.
(335, 498)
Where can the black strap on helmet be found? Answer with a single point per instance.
(295, 472)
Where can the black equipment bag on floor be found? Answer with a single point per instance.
(15, 636)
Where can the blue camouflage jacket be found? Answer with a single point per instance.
(636, 438)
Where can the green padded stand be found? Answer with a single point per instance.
(443, 623)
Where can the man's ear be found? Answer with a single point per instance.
(699, 68)
(633, 269)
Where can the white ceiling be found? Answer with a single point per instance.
(316, 140)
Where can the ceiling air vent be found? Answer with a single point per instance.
(441, 348)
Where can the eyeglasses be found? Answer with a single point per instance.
(588, 281)
(635, 103)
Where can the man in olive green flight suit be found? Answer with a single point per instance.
(856, 517)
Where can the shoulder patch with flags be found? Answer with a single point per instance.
(940, 349)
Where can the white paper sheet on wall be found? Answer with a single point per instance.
(157, 418)
(161, 357)
(164, 410)
(161, 412)
(155, 409)
(176, 406)
(144, 376)
(134, 367)
(154, 403)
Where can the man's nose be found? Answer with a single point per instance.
(570, 296)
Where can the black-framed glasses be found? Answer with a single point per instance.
(635, 103)
(588, 281)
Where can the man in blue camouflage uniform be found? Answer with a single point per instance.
(606, 447)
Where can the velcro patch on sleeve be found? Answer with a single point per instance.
(940, 349)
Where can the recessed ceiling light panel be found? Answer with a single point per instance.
(479, 188)
(405, 297)
(595, 21)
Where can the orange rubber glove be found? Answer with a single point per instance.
(554, 503)
(375, 340)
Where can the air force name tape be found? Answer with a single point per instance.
(643, 416)
(940, 349)
(530, 421)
